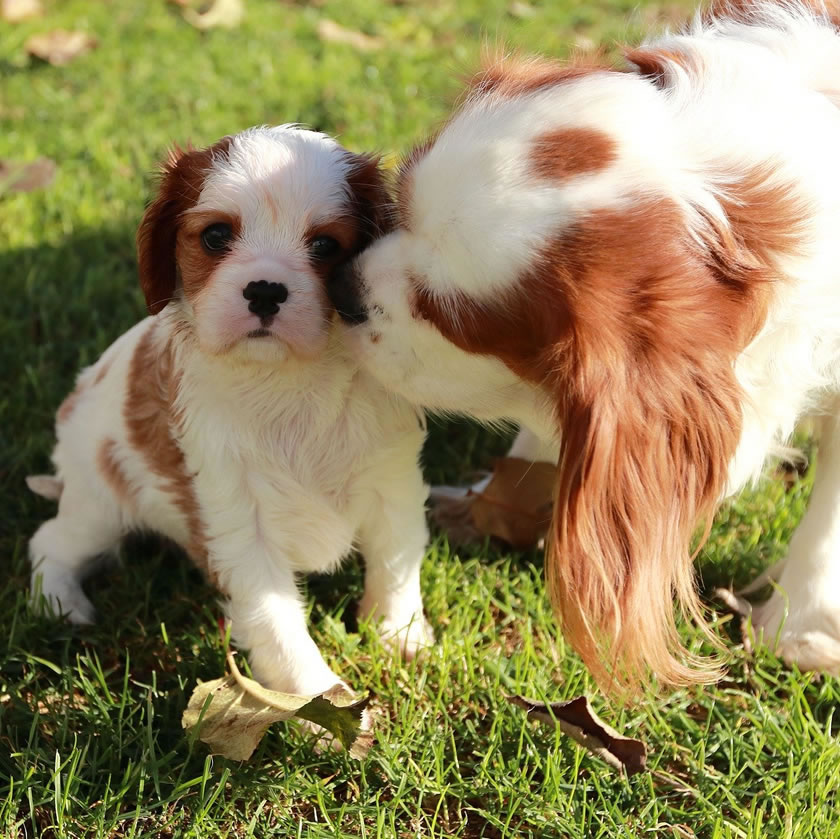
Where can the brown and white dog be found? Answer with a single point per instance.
(234, 421)
(642, 267)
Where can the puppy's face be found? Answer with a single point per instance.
(243, 235)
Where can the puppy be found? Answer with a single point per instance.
(233, 421)
(641, 266)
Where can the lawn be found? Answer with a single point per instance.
(90, 736)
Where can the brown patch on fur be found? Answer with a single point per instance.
(743, 9)
(182, 179)
(661, 65)
(370, 202)
(405, 180)
(195, 264)
(68, 405)
(102, 371)
(517, 75)
(111, 469)
(150, 419)
(634, 328)
(566, 152)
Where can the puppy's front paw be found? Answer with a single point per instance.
(62, 592)
(406, 638)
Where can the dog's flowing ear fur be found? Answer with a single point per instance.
(181, 178)
(371, 202)
(643, 460)
(650, 413)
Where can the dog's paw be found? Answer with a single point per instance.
(63, 592)
(406, 639)
(808, 637)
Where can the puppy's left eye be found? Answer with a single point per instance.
(324, 247)
(217, 237)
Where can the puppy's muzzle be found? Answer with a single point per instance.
(344, 289)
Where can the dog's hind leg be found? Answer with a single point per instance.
(63, 548)
(801, 620)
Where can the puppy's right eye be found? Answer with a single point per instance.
(217, 237)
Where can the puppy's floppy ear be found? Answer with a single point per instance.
(181, 179)
(156, 238)
(370, 199)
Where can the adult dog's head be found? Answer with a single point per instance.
(556, 262)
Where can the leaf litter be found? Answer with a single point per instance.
(232, 714)
(577, 720)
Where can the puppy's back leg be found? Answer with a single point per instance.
(87, 526)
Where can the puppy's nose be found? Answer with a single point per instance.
(343, 290)
(264, 298)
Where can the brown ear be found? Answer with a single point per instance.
(643, 460)
(371, 201)
(156, 241)
(181, 180)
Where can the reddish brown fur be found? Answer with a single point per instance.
(565, 152)
(102, 372)
(196, 265)
(405, 181)
(370, 206)
(68, 405)
(109, 465)
(182, 179)
(151, 421)
(659, 65)
(637, 348)
(740, 9)
(518, 75)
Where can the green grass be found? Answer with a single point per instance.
(90, 736)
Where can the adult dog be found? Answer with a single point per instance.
(642, 266)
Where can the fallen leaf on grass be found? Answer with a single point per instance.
(25, 177)
(60, 46)
(329, 30)
(227, 14)
(233, 714)
(15, 11)
(577, 719)
(514, 505)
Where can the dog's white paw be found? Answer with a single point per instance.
(406, 638)
(63, 592)
(805, 635)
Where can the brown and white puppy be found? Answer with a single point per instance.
(641, 266)
(234, 421)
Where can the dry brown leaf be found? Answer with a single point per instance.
(14, 11)
(577, 719)
(25, 177)
(226, 14)
(329, 30)
(60, 46)
(234, 713)
(516, 505)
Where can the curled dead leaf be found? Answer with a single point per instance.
(16, 176)
(233, 714)
(14, 11)
(577, 719)
(329, 30)
(60, 46)
(226, 14)
(514, 505)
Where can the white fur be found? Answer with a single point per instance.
(296, 455)
(768, 97)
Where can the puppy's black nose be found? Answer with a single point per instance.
(343, 290)
(264, 297)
